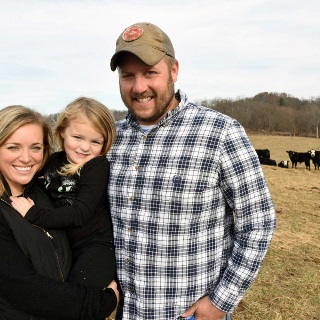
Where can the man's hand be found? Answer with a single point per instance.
(204, 309)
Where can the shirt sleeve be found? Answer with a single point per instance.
(42, 297)
(92, 188)
(246, 192)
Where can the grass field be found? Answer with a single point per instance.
(288, 284)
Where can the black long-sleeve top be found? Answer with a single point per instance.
(30, 283)
(81, 203)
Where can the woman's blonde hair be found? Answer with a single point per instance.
(99, 116)
(13, 118)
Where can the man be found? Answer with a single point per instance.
(192, 213)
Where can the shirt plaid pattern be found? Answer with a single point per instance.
(191, 210)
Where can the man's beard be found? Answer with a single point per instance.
(162, 103)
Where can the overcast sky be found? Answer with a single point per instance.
(52, 52)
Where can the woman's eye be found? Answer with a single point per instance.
(36, 148)
(13, 148)
(77, 137)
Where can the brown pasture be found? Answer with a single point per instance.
(288, 284)
(278, 145)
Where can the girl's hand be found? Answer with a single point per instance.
(21, 204)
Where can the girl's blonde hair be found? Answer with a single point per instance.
(14, 117)
(99, 116)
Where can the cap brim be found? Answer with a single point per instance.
(147, 54)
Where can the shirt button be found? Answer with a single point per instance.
(131, 198)
(144, 138)
(137, 167)
(129, 229)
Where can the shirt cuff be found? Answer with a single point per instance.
(226, 298)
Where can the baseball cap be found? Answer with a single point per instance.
(145, 40)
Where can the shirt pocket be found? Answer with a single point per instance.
(186, 187)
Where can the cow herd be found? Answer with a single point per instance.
(295, 157)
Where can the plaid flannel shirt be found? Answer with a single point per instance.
(191, 210)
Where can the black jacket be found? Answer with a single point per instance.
(33, 266)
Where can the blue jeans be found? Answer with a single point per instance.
(227, 317)
(119, 314)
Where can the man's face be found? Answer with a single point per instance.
(147, 91)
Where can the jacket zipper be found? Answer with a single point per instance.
(54, 250)
(51, 241)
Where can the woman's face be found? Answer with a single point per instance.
(21, 156)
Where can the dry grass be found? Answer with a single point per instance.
(288, 285)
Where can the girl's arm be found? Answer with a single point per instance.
(91, 193)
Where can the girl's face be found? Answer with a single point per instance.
(82, 141)
(21, 156)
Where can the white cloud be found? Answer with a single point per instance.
(54, 51)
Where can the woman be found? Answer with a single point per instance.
(76, 178)
(34, 262)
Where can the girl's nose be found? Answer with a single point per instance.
(84, 146)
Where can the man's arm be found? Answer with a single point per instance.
(246, 192)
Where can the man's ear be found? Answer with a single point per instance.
(175, 71)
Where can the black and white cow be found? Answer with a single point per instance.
(284, 164)
(296, 157)
(315, 157)
(267, 161)
(264, 153)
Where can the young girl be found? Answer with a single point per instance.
(76, 179)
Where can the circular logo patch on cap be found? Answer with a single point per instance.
(132, 33)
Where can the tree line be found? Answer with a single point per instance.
(272, 113)
(266, 112)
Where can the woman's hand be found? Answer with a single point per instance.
(21, 204)
(114, 287)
